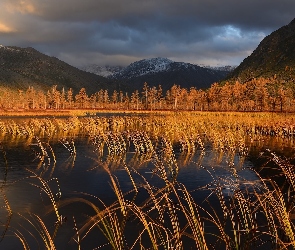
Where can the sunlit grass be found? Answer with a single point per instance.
(249, 216)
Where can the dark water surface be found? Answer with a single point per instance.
(83, 177)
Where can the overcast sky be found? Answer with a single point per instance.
(118, 32)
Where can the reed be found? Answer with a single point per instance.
(248, 216)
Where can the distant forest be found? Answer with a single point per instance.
(255, 95)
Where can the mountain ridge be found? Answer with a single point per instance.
(273, 57)
(104, 71)
(116, 71)
(165, 72)
(24, 67)
(21, 68)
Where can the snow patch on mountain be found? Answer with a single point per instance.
(9, 48)
(105, 71)
(149, 67)
(144, 67)
(155, 65)
(226, 68)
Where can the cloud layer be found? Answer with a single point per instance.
(117, 32)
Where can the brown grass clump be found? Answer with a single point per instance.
(237, 214)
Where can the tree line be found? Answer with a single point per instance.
(255, 95)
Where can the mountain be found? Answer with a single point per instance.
(274, 57)
(104, 71)
(227, 68)
(24, 67)
(144, 67)
(164, 72)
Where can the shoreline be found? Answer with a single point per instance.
(93, 112)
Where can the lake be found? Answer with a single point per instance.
(115, 180)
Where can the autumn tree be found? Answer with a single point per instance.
(41, 100)
(213, 96)
(249, 103)
(239, 100)
(70, 98)
(121, 99)
(285, 97)
(56, 97)
(152, 97)
(21, 99)
(126, 101)
(106, 99)
(273, 95)
(175, 93)
(159, 96)
(81, 99)
(114, 98)
(226, 96)
(192, 98)
(135, 100)
(260, 94)
(31, 96)
(63, 98)
(93, 100)
(145, 94)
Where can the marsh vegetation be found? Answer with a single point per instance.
(175, 181)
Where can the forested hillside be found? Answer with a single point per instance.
(273, 58)
(24, 67)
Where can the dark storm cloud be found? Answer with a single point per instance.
(119, 32)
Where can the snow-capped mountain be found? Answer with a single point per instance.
(165, 72)
(149, 67)
(104, 71)
(144, 67)
(161, 71)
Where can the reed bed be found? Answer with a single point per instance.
(165, 215)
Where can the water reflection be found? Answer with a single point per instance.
(74, 169)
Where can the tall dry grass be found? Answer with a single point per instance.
(249, 215)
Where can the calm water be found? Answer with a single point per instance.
(82, 177)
